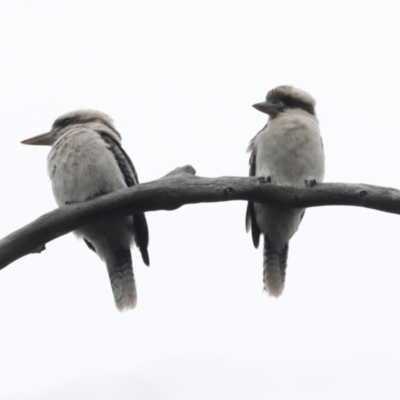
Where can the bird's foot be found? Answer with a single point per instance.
(310, 182)
(265, 179)
(39, 249)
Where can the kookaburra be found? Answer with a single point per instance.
(86, 161)
(288, 151)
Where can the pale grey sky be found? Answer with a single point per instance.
(179, 79)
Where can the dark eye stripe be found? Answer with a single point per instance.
(65, 122)
(295, 103)
(75, 121)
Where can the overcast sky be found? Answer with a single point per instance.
(179, 79)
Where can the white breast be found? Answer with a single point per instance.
(81, 167)
(290, 150)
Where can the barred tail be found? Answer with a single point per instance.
(274, 268)
(120, 271)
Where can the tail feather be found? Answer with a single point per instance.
(274, 268)
(283, 261)
(120, 271)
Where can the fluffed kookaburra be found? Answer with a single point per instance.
(288, 151)
(87, 161)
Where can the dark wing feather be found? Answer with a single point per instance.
(141, 234)
(91, 247)
(140, 228)
(250, 213)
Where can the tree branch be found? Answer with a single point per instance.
(181, 187)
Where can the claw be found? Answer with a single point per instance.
(264, 179)
(310, 182)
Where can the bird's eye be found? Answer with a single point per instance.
(289, 102)
(66, 121)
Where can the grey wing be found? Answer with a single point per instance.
(250, 213)
(140, 228)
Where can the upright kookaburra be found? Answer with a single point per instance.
(288, 151)
(87, 161)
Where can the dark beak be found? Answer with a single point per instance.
(46, 139)
(269, 108)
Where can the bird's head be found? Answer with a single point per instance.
(91, 119)
(284, 98)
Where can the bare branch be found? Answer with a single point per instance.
(181, 187)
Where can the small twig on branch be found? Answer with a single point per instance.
(181, 187)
